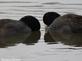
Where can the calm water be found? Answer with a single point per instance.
(40, 46)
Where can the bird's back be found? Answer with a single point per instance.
(9, 27)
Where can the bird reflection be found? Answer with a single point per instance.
(33, 38)
(48, 39)
(74, 39)
(12, 40)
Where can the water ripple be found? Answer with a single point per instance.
(15, 2)
(59, 3)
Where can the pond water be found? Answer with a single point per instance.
(40, 46)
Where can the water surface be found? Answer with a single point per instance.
(40, 46)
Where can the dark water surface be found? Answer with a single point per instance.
(39, 46)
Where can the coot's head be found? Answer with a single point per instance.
(49, 17)
(31, 22)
